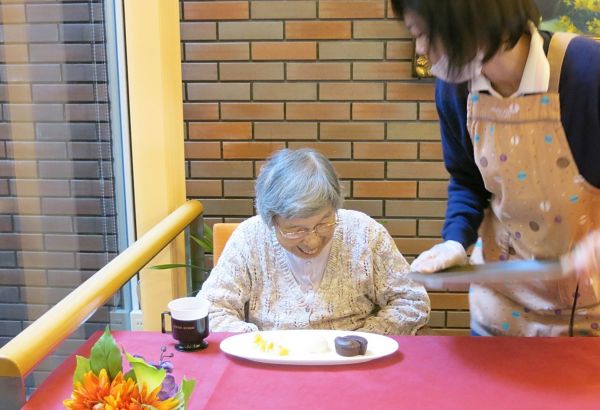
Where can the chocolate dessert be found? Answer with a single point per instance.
(350, 345)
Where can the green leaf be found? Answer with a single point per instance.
(203, 243)
(177, 265)
(130, 375)
(105, 354)
(145, 373)
(181, 399)
(208, 233)
(83, 366)
(187, 387)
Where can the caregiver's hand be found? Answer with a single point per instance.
(440, 257)
(584, 260)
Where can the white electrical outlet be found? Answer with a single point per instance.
(137, 321)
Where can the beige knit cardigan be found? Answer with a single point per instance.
(364, 286)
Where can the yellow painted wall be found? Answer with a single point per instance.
(156, 115)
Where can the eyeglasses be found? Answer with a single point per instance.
(319, 229)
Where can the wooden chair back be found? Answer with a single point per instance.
(221, 234)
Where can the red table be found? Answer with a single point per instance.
(428, 372)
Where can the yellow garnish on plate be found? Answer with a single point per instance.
(268, 346)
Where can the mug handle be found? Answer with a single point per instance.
(162, 320)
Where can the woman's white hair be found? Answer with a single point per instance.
(296, 183)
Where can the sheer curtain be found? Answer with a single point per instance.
(59, 144)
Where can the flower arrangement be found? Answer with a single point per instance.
(100, 384)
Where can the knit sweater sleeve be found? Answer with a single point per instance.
(467, 196)
(403, 304)
(228, 286)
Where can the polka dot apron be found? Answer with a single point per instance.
(540, 207)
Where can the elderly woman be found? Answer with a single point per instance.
(304, 263)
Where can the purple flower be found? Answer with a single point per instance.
(155, 364)
(167, 365)
(169, 388)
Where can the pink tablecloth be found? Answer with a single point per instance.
(428, 372)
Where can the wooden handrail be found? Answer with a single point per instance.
(22, 353)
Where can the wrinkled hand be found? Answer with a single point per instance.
(440, 257)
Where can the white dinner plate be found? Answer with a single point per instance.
(242, 345)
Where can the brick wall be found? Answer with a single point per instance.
(332, 75)
(57, 224)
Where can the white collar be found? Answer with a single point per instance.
(309, 272)
(536, 75)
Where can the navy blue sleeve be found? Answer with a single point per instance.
(580, 105)
(467, 196)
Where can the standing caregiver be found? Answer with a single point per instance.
(519, 114)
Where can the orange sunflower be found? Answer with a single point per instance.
(99, 393)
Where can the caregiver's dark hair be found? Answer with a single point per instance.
(465, 27)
